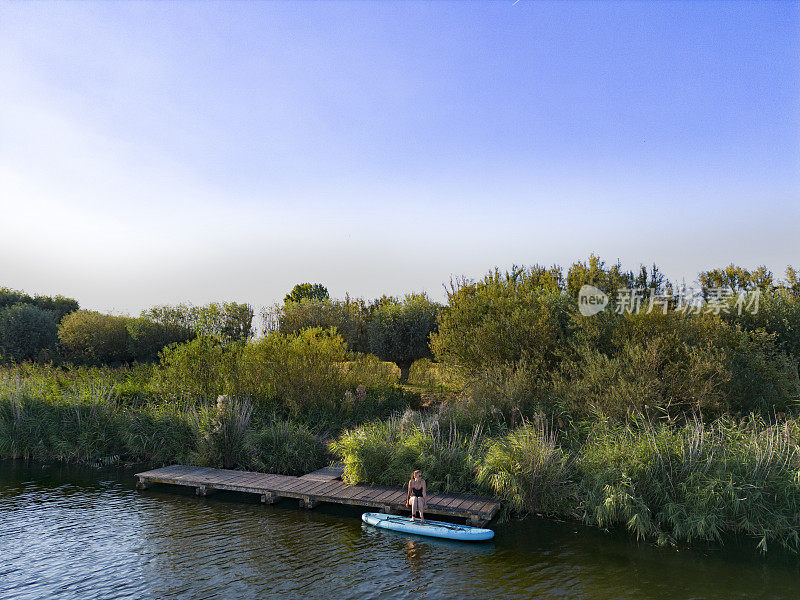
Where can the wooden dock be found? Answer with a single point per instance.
(324, 485)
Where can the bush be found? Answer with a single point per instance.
(56, 306)
(223, 429)
(530, 471)
(347, 317)
(286, 448)
(387, 452)
(502, 321)
(93, 337)
(147, 338)
(26, 331)
(299, 372)
(196, 370)
(695, 482)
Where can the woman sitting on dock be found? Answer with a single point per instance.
(417, 495)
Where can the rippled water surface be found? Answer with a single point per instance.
(70, 533)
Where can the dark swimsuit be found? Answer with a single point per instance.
(416, 491)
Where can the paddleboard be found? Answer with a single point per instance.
(439, 529)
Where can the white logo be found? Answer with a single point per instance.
(591, 300)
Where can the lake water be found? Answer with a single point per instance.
(73, 533)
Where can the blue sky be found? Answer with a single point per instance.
(194, 151)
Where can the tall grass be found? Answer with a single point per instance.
(386, 453)
(696, 482)
(49, 415)
(530, 471)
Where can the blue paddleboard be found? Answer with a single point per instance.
(439, 529)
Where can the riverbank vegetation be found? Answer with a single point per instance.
(674, 419)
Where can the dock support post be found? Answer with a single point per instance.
(204, 491)
(477, 521)
(142, 484)
(388, 510)
(307, 502)
(268, 498)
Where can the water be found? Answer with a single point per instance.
(70, 533)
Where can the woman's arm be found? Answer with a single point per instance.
(408, 494)
(424, 491)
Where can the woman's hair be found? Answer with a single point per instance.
(415, 472)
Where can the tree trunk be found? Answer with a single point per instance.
(405, 371)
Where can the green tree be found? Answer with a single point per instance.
(59, 306)
(224, 321)
(307, 291)
(147, 338)
(400, 331)
(25, 331)
(95, 337)
(504, 320)
(349, 317)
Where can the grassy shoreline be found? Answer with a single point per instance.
(673, 484)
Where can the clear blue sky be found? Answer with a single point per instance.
(193, 151)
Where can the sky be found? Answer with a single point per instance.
(165, 152)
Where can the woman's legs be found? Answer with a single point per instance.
(414, 504)
(420, 507)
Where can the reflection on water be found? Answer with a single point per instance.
(78, 534)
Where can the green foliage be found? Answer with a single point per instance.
(503, 320)
(285, 447)
(399, 331)
(692, 483)
(80, 419)
(387, 452)
(57, 306)
(223, 430)
(296, 371)
(223, 321)
(147, 338)
(91, 336)
(737, 278)
(197, 370)
(530, 471)
(307, 291)
(348, 317)
(26, 331)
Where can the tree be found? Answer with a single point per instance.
(59, 306)
(26, 330)
(399, 331)
(223, 321)
(505, 320)
(307, 291)
(349, 317)
(93, 336)
(147, 338)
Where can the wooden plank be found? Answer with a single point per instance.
(323, 487)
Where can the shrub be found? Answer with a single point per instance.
(347, 317)
(286, 448)
(300, 371)
(530, 471)
(93, 337)
(147, 338)
(223, 429)
(25, 331)
(387, 452)
(196, 370)
(502, 321)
